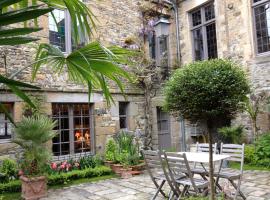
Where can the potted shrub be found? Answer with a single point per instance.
(110, 153)
(33, 134)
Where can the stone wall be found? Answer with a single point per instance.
(235, 40)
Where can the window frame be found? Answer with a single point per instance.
(201, 26)
(72, 129)
(68, 33)
(126, 105)
(161, 118)
(255, 38)
(7, 138)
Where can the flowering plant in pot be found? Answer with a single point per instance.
(32, 135)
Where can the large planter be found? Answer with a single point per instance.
(108, 163)
(34, 188)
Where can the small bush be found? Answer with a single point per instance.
(90, 162)
(250, 154)
(60, 179)
(8, 170)
(263, 147)
(234, 134)
(110, 150)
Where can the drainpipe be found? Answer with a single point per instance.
(178, 54)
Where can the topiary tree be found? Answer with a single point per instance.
(207, 90)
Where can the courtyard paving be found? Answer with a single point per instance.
(255, 185)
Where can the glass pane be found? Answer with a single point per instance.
(64, 148)
(64, 136)
(57, 29)
(56, 139)
(81, 42)
(198, 44)
(152, 45)
(56, 149)
(82, 141)
(6, 126)
(123, 108)
(262, 20)
(123, 122)
(211, 41)
(64, 123)
(164, 125)
(78, 123)
(209, 12)
(196, 18)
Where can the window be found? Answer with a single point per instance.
(261, 10)
(204, 33)
(5, 124)
(152, 45)
(74, 128)
(60, 33)
(123, 115)
(162, 121)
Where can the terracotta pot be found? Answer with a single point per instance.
(138, 167)
(34, 188)
(117, 168)
(126, 172)
(108, 163)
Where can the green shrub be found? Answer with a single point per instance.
(8, 170)
(110, 150)
(12, 186)
(90, 161)
(232, 134)
(60, 179)
(250, 154)
(263, 147)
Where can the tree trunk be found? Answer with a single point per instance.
(148, 120)
(211, 167)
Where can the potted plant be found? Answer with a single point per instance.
(110, 153)
(32, 135)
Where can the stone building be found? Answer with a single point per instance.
(173, 33)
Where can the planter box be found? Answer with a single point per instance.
(34, 188)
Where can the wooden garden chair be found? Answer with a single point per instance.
(177, 164)
(157, 170)
(236, 153)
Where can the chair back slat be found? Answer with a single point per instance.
(235, 151)
(204, 147)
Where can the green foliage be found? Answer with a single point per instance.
(233, 134)
(60, 179)
(90, 162)
(250, 154)
(110, 150)
(91, 65)
(123, 149)
(32, 134)
(206, 90)
(262, 151)
(9, 170)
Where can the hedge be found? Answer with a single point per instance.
(59, 179)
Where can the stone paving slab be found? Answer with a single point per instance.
(255, 185)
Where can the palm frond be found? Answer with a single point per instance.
(92, 65)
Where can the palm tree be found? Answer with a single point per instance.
(92, 65)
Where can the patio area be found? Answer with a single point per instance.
(255, 185)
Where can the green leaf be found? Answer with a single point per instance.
(18, 31)
(22, 15)
(21, 94)
(3, 108)
(8, 81)
(16, 40)
(5, 3)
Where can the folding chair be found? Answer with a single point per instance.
(201, 170)
(157, 171)
(236, 153)
(178, 164)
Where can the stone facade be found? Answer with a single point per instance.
(116, 21)
(236, 41)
